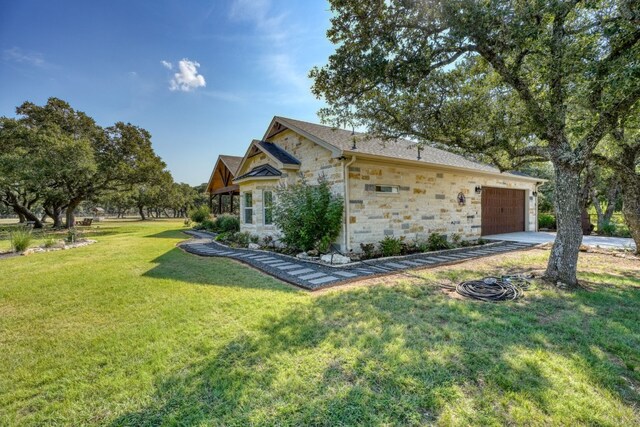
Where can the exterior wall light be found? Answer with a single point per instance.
(478, 189)
(535, 194)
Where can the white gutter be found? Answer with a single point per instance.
(345, 172)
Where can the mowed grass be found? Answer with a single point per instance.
(133, 331)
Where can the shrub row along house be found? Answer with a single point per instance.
(389, 188)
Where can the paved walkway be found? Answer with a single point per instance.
(312, 276)
(537, 237)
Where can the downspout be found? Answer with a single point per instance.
(535, 201)
(345, 172)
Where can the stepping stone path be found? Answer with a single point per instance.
(312, 276)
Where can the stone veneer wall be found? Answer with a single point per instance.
(316, 162)
(426, 203)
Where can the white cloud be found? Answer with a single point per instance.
(15, 54)
(187, 77)
(168, 65)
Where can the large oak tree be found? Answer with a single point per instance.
(518, 81)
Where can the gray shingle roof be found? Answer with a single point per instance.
(232, 162)
(265, 170)
(277, 152)
(400, 148)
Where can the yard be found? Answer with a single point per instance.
(133, 331)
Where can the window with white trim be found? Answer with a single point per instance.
(248, 208)
(388, 189)
(267, 202)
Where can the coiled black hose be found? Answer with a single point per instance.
(491, 289)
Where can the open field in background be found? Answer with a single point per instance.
(133, 331)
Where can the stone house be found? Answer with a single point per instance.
(390, 188)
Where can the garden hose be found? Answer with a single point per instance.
(492, 289)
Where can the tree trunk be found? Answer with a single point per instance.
(71, 213)
(55, 213)
(141, 211)
(28, 215)
(22, 211)
(631, 207)
(604, 217)
(563, 260)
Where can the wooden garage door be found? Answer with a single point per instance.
(502, 210)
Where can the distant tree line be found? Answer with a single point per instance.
(55, 161)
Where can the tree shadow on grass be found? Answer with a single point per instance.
(407, 355)
(178, 265)
(171, 234)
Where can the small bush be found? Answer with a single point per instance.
(199, 214)
(237, 239)
(608, 229)
(187, 222)
(72, 235)
(368, 250)
(391, 246)
(223, 237)
(546, 221)
(227, 223)
(437, 242)
(208, 225)
(241, 238)
(309, 216)
(49, 242)
(254, 238)
(268, 242)
(21, 239)
(456, 239)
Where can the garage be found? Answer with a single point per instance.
(502, 210)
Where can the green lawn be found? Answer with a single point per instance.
(132, 331)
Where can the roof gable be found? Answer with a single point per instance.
(223, 173)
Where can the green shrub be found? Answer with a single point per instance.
(456, 239)
(72, 235)
(208, 225)
(187, 222)
(254, 238)
(391, 246)
(199, 214)
(223, 237)
(242, 238)
(49, 241)
(21, 239)
(309, 216)
(546, 221)
(368, 250)
(623, 231)
(437, 242)
(227, 223)
(237, 238)
(608, 229)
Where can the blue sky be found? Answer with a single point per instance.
(204, 77)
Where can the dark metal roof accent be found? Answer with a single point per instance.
(278, 153)
(260, 171)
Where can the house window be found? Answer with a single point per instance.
(389, 189)
(248, 208)
(267, 201)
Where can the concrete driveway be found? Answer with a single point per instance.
(546, 237)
